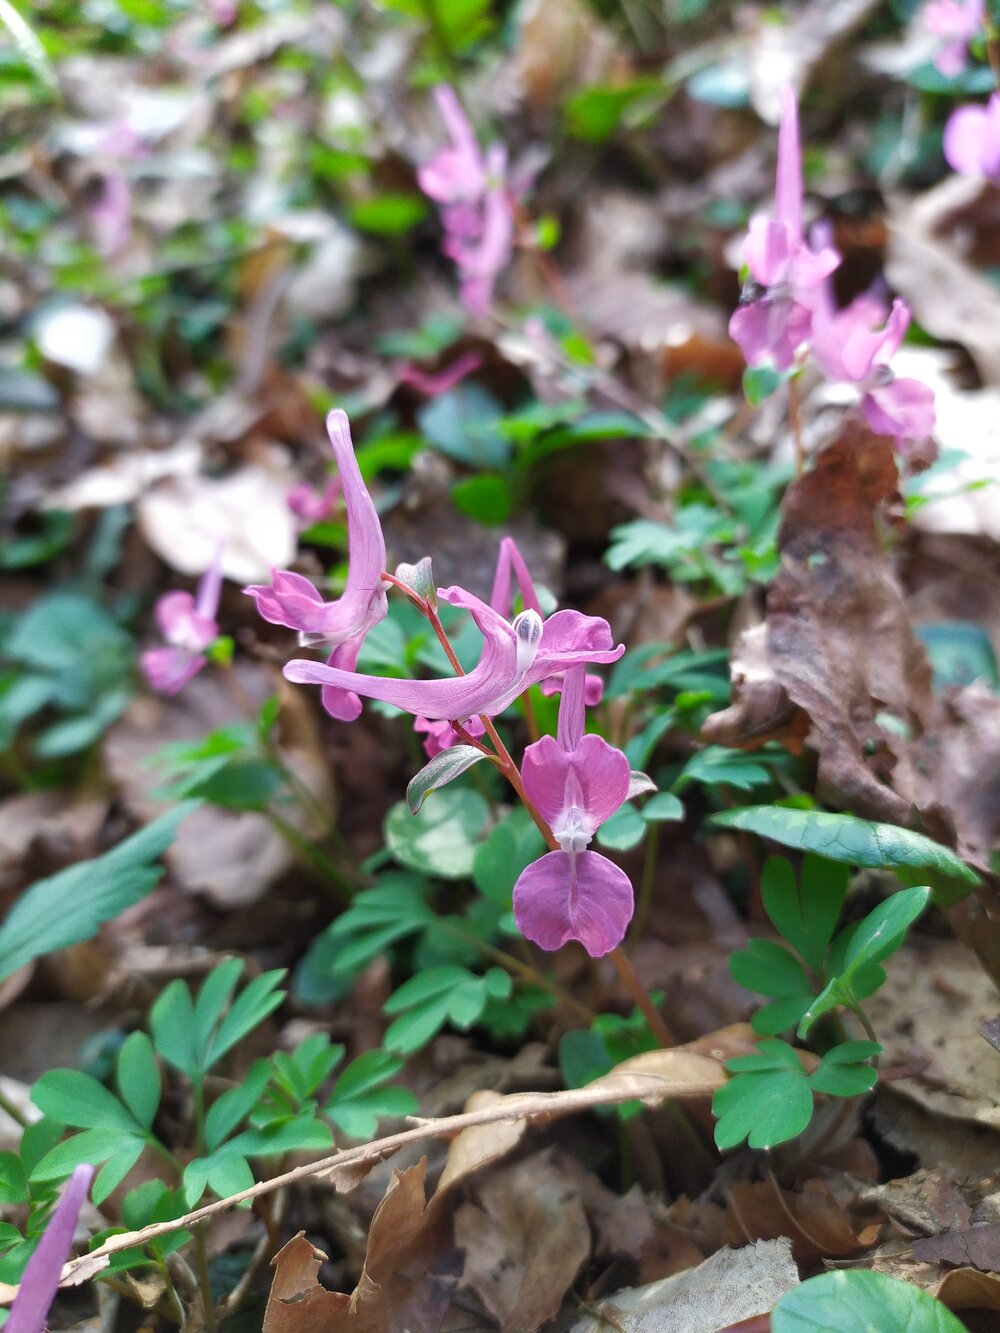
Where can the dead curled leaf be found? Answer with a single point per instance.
(813, 1219)
(653, 1077)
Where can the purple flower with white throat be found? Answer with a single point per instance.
(785, 270)
(575, 782)
(511, 561)
(972, 140)
(470, 188)
(291, 600)
(847, 347)
(516, 654)
(40, 1282)
(955, 23)
(188, 625)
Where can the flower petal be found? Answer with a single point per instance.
(581, 897)
(168, 670)
(41, 1277)
(594, 775)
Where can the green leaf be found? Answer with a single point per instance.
(853, 841)
(443, 768)
(663, 808)
(760, 382)
(139, 1078)
(225, 1172)
(843, 1071)
(116, 1168)
(715, 766)
(487, 498)
(770, 969)
(360, 1097)
(93, 1146)
(253, 1004)
(464, 424)
(441, 840)
(437, 996)
(171, 1021)
(806, 914)
(234, 1105)
(214, 995)
(72, 905)
(302, 1133)
(389, 214)
(624, 830)
(872, 941)
(377, 918)
(13, 1181)
(511, 846)
(858, 1301)
(766, 1102)
(74, 1098)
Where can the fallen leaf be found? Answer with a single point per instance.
(967, 1289)
(951, 299)
(811, 1216)
(525, 1239)
(733, 1284)
(971, 1247)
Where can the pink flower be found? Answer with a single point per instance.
(41, 1277)
(439, 736)
(516, 655)
(310, 505)
(776, 322)
(475, 208)
(188, 625)
(956, 22)
(510, 560)
(848, 348)
(111, 213)
(292, 600)
(972, 140)
(575, 782)
(433, 384)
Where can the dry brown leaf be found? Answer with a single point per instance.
(732, 1285)
(927, 1202)
(972, 1247)
(561, 45)
(839, 645)
(525, 1239)
(813, 1219)
(950, 298)
(967, 1289)
(297, 1302)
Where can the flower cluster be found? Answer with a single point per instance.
(472, 192)
(789, 310)
(954, 23)
(571, 783)
(189, 626)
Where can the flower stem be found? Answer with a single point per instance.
(623, 966)
(646, 886)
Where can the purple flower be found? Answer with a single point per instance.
(188, 625)
(292, 600)
(848, 348)
(516, 654)
(776, 323)
(956, 22)
(471, 189)
(510, 560)
(575, 782)
(972, 140)
(310, 505)
(41, 1277)
(439, 736)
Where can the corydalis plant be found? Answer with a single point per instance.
(789, 312)
(569, 784)
(471, 190)
(189, 626)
